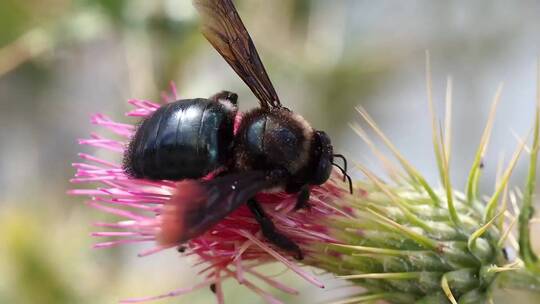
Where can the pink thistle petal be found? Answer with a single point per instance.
(97, 160)
(122, 129)
(266, 296)
(139, 113)
(174, 91)
(144, 104)
(165, 97)
(282, 259)
(114, 233)
(239, 269)
(219, 290)
(273, 283)
(119, 212)
(170, 294)
(122, 202)
(242, 249)
(89, 192)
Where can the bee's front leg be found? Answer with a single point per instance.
(302, 191)
(270, 232)
(302, 198)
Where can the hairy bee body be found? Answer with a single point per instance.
(191, 138)
(273, 139)
(272, 148)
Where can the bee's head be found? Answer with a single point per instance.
(323, 160)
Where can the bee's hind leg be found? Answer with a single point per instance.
(270, 232)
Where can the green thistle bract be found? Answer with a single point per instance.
(404, 241)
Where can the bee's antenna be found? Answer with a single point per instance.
(344, 160)
(345, 176)
(344, 171)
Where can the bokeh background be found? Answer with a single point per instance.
(62, 60)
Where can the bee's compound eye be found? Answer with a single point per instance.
(324, 168)
(324, 157)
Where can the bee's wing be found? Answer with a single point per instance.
(198, 205)
(224, 29)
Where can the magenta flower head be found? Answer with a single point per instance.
(151, 211)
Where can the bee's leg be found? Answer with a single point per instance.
(225, 96)
(302, 198)
(270, 231)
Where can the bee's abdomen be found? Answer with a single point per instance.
(184, 139)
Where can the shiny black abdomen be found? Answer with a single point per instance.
(184, 139)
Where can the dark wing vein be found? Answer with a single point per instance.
(225, 30)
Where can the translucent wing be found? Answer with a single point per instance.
(224, 29)
(198, 205)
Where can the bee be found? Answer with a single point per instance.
(272, 148)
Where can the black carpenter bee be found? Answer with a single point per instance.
(189, 139)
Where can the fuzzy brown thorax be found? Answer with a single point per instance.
(273, 139)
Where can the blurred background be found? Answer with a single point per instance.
(62, 60)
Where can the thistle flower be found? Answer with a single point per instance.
(234, 248)
(402, 240)
(407, 242)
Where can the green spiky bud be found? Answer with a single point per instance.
(404, 241)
